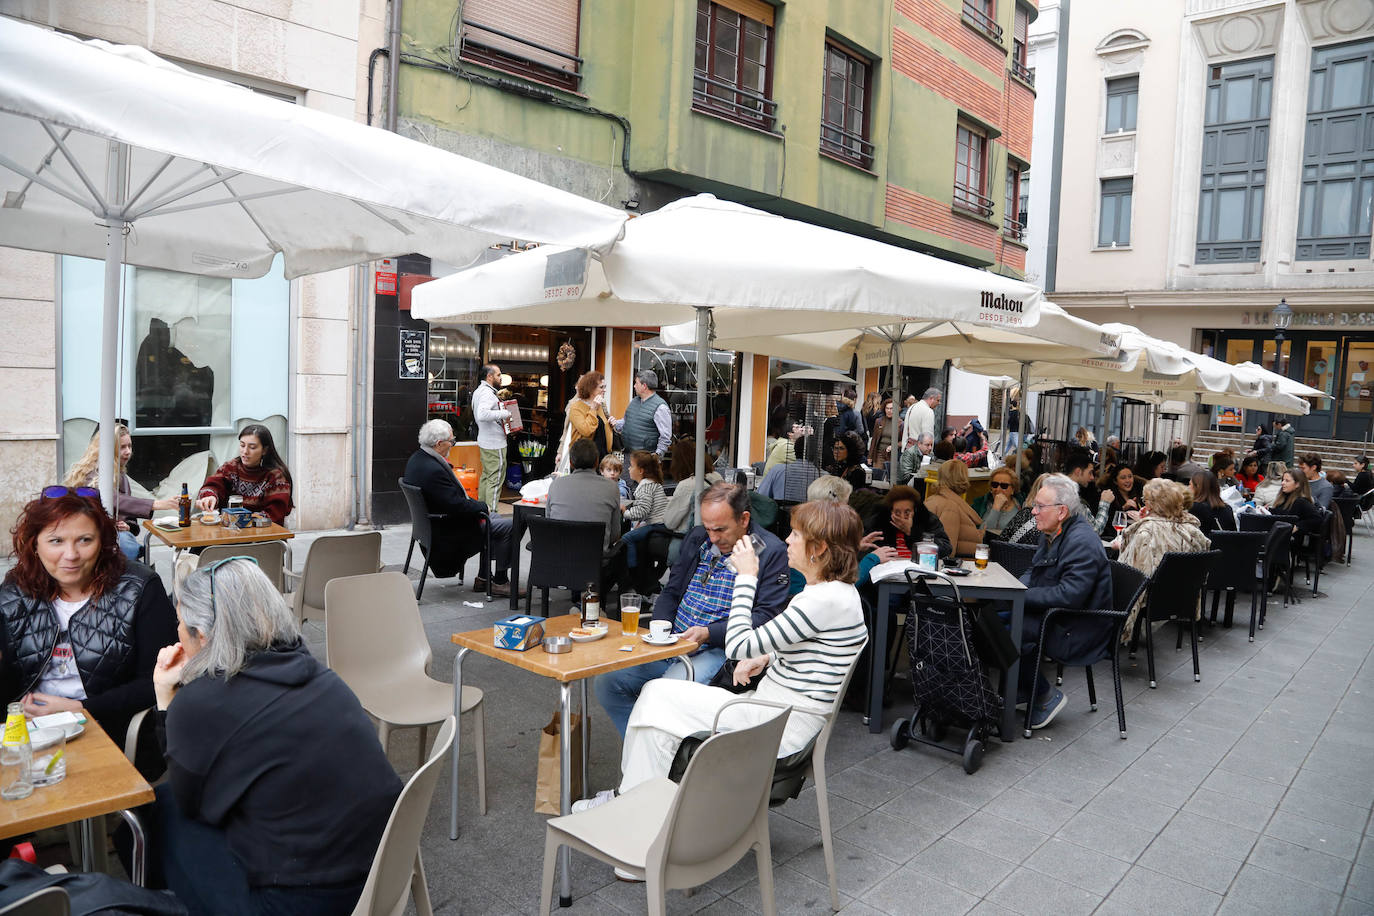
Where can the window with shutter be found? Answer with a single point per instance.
(732, 74)
(1019, 59)
(536, 39)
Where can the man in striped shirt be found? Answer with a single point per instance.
(697, 597)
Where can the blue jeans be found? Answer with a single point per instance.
(128, 545)
(202, 871)
(618, 691)
(632, 539)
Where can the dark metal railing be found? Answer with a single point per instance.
(1022, 72)
(754, 108)
(846, 144)
(974, 16)
(528, 65)
(966, 198)
(1013, 228)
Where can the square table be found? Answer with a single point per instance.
(100, 780)
(993, 583)
(199, 535)
(583, 662)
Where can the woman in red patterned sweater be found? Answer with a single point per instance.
(258, 475)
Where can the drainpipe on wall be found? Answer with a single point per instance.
(1057, 166)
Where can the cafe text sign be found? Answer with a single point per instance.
(1265, 318)
(413, 347)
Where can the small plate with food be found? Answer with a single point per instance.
(588, 634)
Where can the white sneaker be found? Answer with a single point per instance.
(596, 801)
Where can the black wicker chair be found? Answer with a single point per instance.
(568, 554)
(1349, 508)
(1239, 568)
(1127, 584)
(1014, 558)
(422, 533)
(1173, 595)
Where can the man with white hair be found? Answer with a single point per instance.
(920, 419)
(458, 535)
(1069, 570)
(915, 458)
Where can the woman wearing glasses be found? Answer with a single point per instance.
(128, 508)
(80, 626)
(998, 506)
(277, 790)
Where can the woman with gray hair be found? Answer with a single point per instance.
(249, 720)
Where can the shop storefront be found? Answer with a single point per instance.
(1331, 351)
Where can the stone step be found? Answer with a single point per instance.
(1336, 453)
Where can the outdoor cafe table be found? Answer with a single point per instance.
(584, 661)
(993, 583)
(199, 535)
(100, 780)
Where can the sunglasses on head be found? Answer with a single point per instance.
(213, 567)
(57, 491)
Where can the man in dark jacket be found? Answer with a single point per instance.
(848, 417)
(458, 535)
(697, 597)
(1283, 442)
(1069, 570)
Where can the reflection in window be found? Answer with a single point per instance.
(1355, 390)
(1320, 369)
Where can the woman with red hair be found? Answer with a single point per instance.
(80, 626)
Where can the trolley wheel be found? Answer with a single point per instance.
(899, 734)
(973, 756)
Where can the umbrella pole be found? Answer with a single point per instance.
(1002, 423)
(1108, 393)
(116, 189)
(703, 368)
(895, 428)
(1021, 420)
(1193, 426)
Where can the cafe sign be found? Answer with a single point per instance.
(1265, 318)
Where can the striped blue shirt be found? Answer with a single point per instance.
(707, 598)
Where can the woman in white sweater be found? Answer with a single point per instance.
(804, 652)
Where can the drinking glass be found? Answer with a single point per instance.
(1119, 522)
(630, 604)
(50, 763)
(980, 556)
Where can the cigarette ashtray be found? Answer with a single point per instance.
(557, 645)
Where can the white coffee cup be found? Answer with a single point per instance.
(660, 629)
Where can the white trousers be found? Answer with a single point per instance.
(669, 710)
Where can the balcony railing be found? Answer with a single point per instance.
(1022, 72)
(975, 17)
(1013, 228)
(971, 200)
(847, 145)
(732, 101)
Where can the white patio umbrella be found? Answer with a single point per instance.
(700, 259)
(110, 152)
(1284, 383)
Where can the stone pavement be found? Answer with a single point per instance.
(1249, 792)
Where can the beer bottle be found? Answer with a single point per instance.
(184, 508)
(591, 606)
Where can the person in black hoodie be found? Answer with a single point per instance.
(278, 790)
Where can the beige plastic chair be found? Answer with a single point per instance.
(50, 901)
(375, 641)
(332, 556)
(397, 866)
(683, 835)
(271, 557)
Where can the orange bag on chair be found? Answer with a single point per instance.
(468, 479)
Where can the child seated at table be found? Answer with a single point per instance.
(647, 508)
(612, 468)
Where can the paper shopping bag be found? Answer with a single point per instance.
(547, 796)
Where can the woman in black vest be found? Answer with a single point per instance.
(80, 626)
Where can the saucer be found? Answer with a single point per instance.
(588, 634)
(672, 638)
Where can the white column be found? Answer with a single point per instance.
(746, 411)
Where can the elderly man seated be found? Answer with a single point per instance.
(697, 597)
(458, 535)
(915, 459)
(1069, 570)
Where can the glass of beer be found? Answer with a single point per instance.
(980, 556)
(630, 604)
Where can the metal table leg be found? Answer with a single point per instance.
(586, 737)
(457, 737)
(565, 789)
(1013, 672)
(877, 660)
(140, 850)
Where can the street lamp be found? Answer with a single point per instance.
(1283, 317)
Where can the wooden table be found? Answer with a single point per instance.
(583, 662)
(993, 583)
(100, 780)
(199, 535)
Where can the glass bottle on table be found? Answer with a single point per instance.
(591, 606)
(184, 508)
(16, 756)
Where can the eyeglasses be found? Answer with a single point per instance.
(57, 491)
(213, 567)
(1000, 485)
(1036, 507)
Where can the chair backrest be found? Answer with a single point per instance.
(50, 901)
(372, 631)
(271, 557)
(1254, 521)
(1347, 506)
(1177, 583)
(563, 552)
(333, 556)
(723, 792)
(1127, 584)
(388, 881)
(1280, 538)
(1240, 551)
(420, 530)
(1014, 558)
(792, 770)
(1366, 500)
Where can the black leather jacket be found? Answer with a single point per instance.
(115, 640)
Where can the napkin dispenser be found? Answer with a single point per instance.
(237, 517)
(520, 632)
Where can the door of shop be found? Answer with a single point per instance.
(1354, 392)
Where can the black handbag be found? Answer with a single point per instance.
(725, 679)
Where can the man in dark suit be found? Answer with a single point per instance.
(458, 535)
